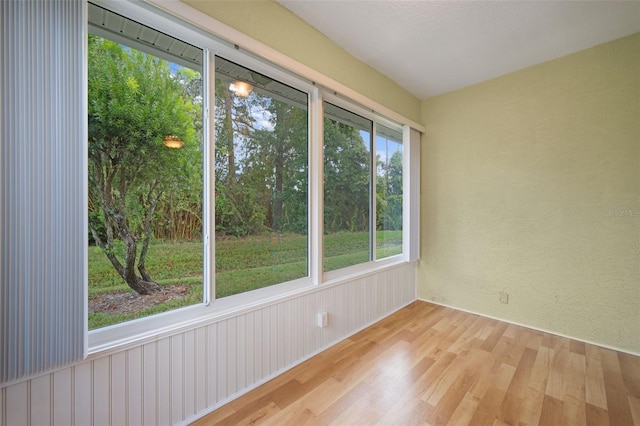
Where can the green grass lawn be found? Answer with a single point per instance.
(242, 264)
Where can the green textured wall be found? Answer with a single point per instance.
(531, 186)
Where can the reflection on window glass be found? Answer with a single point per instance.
(145, 180)
(261, 180)
(347, 188)
(388, 192)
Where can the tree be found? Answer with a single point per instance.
(389, 192)
(346, 178)
(134, 101)
(261, 163)
(282, 151)
(239, 202)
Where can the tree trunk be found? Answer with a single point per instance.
(127, 272)
(278, 187)
(141, 286)
(231, 152)
(151, 203)
(115, 218)
(282, 128)
(109, 253)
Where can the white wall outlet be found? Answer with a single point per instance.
(323, 319)
(504, 297)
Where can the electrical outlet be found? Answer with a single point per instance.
(323, 319)
(504, 297)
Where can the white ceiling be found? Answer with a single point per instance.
(433, 47)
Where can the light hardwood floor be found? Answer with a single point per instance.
(432, 365)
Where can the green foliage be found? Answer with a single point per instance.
(261, 164)
(389, 193)
(135, 182)
(346, 178)
(134, 101)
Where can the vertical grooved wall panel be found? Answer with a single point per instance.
(119, 389)
(176, 378)
(149, 384)
(164, 389)
(62, 389)
(134, 377)
(42, 186)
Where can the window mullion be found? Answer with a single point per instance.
(208, 79)
(373, 169)
(316, 187)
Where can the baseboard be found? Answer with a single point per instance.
(626, 351)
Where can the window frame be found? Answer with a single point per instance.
(403, 143)
(255, 64)
(182, 22)
(347, 106)
(118, 334)
(373, 263)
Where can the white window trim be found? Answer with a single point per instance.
(209, 204)
(216, 28)
(176, 19)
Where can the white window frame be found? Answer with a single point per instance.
(182, 22)
(255, 64)
(373, 263)
(134, 330)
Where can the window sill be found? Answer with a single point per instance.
(137, 332)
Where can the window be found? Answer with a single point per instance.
(261, 180)
(145, 147)
(388, 192)
(200, 169)
(347, 188)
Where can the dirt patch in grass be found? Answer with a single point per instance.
(130, 302)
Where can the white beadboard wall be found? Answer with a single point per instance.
(176, 379)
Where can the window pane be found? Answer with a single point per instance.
(347, 188)
(145, 178)
(388, 192)
(261, 179)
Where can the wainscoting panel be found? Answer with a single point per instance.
(178, 378)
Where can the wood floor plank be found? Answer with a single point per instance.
(431, 378)
(596, 394)
(559, 365)
(487, 410)
(577, 347)
(511, 406)
(464, 411)
(574, 390)
(431, 365)
(634, 405)
(345, 405)
(596, 416)
(260, 415)
(495, 336)
(461, 377)
(531, 408)
(411, 398)
(464, 366)
(617, 401)
(309, 405)
(551, 412)
(215, 418)
(630, 369)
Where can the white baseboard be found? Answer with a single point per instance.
(602, 345)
